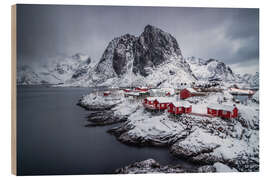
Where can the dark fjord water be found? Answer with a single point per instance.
(52, 138)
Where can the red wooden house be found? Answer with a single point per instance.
(189, 92)
(224, 111)
(127, 90)
(179, 107)
(141, 89)
(163, 102)
(150, 103)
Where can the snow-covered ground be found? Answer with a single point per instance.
(201, 139)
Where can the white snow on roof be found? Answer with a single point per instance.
(133, 93)
(164, 99)
(221, 107)
(151, 98)
(191, 90)
(181, 104)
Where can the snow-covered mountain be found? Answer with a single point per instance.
(55, 71)
(211, 69)
(252, 80)
(154, 58)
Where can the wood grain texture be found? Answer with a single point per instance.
(13, 90)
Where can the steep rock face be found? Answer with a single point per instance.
(211, 69)
(154, 47)
(118, 57)
(123, 54)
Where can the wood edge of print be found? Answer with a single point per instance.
(13, 90)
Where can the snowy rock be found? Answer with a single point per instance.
(255, 97)
(223, 168)
(151, 166)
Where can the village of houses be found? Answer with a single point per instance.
(176, 101)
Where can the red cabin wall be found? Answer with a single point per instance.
(170, 108)
(220, 113)
(208, 111)
(178, 110)
(214, 112)
(235, 113)
(226, 114)
(163, 106)
(155, 103)
(189, 109)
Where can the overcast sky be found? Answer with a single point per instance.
(230, 35)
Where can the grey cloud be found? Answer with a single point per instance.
(46, 31)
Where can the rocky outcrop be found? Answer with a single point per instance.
(152, 166)
(99, 118)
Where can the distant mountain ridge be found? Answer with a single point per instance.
(61, 70)
(212, 69)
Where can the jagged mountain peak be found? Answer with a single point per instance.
(81, 57)
(154, 47)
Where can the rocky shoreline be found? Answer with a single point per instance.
(152, 166)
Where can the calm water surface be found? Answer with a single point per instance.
(52, 138)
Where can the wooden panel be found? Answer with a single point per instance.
(13, 90)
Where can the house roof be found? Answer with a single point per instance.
(162, 90)
(133, 93)
(191, 90)
(142, 87)
(164, 99)
(181, 104)
(151, 98)
(221, 107)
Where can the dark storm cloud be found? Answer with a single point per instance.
(231, 35)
